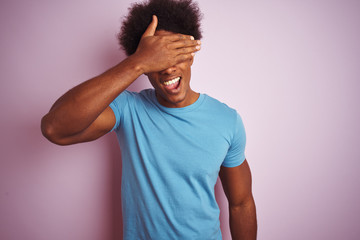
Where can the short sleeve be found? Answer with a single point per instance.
(236, 152)
(118, 107)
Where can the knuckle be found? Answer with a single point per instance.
(162, 39)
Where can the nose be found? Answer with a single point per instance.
(169, 70)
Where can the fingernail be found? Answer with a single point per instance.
(192, 54)
(197, 47)
(192, 38)
(198, 42)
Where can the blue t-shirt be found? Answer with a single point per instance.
(171, 158)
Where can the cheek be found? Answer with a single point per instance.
(186, 68)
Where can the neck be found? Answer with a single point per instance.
(191, 97)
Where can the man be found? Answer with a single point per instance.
(174, 141)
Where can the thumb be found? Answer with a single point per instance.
(150, 31)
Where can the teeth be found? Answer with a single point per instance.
(172, 81)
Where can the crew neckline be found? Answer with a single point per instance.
(188, 108)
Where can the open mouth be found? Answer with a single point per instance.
(172, 83)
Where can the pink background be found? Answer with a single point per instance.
(290, 68)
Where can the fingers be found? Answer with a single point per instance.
(185, 43)
(150, 31)
(179, 37)
(186, 47)
(188, 50)
(184, 57)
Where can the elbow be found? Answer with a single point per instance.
(242, 204)
(49, 132)
(46, 128)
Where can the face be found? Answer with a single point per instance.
(172, 85)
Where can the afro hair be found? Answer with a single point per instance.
(178, 16)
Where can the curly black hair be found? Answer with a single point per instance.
(178, 16)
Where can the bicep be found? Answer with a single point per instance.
(102, 125)
(236, 182)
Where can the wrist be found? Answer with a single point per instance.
(136, 64)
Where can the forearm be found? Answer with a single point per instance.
(243, 223)
(76, 110)
(80, 106)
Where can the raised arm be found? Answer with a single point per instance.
(236, 183)
(83, 113)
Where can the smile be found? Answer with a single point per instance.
(172, 81)
(172, 86)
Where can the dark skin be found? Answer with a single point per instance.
(83, 114)
(236, 183)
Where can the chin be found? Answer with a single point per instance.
(173, 100)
